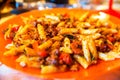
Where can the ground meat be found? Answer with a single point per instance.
(105, 47)
(76, 46)
(51, 31)
(117, 37)
(53, 58)
(50, 60)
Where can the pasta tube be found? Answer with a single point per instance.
(49, 69)
(84, 16)
(109, 56)
(45, 45)
(82, 61)
(86, 50)
(92, 48)
(68, 30)
(41, 31)
(10, 52)
(30, 52)
(66, 47)
(89, 31)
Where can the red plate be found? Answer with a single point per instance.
(91, 73)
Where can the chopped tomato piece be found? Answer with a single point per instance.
(42, 53)
(66, 15)
(110, 46)
(111, 39)
(14, 29)
(65, 57)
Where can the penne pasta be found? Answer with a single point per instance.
(86, 50)
(89, 31)
(57, 38)
(109, 56)
(92, 48)
(30, 52)
(61, 24)
(22, 58)
(52, 17)
(49, 69)
(66, 42)
(66, 50)
(106, 30)
(33, 64)
(45, 45)
(41, 31)
(23, 29)
(84, 16)
(82, 61)
(66, 47)
(10, 52)
(55, 45)
(95, 36)
(68, 30)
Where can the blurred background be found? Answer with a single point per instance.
(24, 5)
(12, 7)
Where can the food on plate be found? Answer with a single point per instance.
(60, 42)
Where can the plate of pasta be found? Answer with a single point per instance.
(58, 43)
